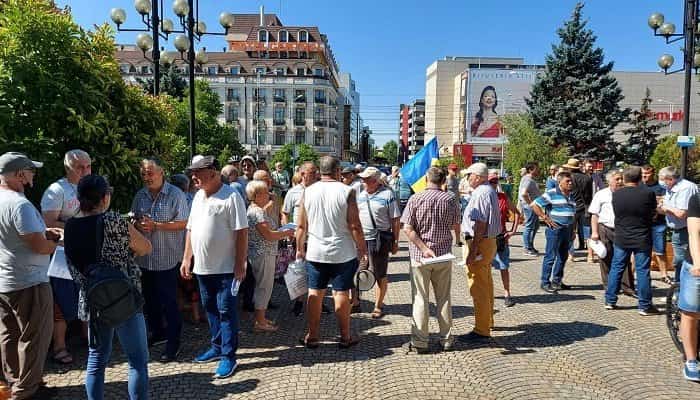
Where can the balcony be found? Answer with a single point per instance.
(233, 97)
(232, 121)
(299, 122)
(279, 122)
(333, 124)
(279, 99)
(320, 100)
(260, 122)
(300, 99)
(320, 122)
(258, 98)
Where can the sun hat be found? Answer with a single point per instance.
(573, 163)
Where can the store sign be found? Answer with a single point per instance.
(685, 141)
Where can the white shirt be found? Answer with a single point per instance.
(61, 196)
(601, 205)
(213, 225)
(326, 205)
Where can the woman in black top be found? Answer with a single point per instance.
(120, 242)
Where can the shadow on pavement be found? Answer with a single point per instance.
(547, 298)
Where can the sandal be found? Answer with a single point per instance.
(349, 342)
(265, 328)
(62, 356)
(309, 343)
(377, 313)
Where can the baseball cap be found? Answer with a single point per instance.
(452, 166)
(348, 170)
(13, 162)
(249, 158)
(493, 177)
(370, 172)
(479, 169)
(203, 162)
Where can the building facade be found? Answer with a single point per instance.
(351, 122)
(278, 84)
(411, 129)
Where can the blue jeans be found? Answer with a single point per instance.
(132, 337)
(532, 225)
(642, 262)
(160, 294)
(220, 306)
(679, 242)
(556, 253)
(689, 292)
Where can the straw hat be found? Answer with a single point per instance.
(572, 164)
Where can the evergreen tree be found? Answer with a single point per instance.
(171, 82)
(643, 134)
(576, 101)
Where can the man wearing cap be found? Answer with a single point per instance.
(528, 190)
(162, 211)
(557, 208)
(247, 169)
(217, 237)
(379, 214)
(235, 161)
(428, 221)
(26, 303)
(351, 179)
(482, 222)
(582, 192)
(58, 204)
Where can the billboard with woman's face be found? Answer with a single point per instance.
(490, 94)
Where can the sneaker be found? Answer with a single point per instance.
(447, 347)
(547, 288)
(651, 310)
(508, 302)
(610, 306)
(226, 368)
(530, 253)
(556, 287)
(169, 357)
(208, 356)
(409, 348)
(691, 371)
(157, 341)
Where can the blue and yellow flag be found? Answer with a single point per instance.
(413, 172)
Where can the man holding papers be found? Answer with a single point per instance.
(429, 218)
(482, 222)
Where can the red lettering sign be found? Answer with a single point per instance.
(664, 116)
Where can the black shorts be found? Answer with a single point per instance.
(379, 257)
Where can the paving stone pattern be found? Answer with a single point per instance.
(548, 346)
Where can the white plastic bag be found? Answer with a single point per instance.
(295, 279)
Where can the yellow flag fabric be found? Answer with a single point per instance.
(415, 169)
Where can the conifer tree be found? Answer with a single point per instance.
(576, 101)
(643, 134)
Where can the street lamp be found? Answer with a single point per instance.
(186, 10)
(691, 59)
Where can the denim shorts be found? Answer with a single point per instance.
(658, 239)
(340, 276)
(501, 261)
(689, 294)
(586, 231)
(65, 297)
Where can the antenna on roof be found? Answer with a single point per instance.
(262, 15)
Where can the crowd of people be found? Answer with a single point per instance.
(214, 239)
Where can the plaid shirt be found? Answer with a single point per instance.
(169, 205)
(432, 213)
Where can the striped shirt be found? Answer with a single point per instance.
(432, 213)
(482, 207)
(560, 208)
(169, 205)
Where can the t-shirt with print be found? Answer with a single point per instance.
(20, 267)
(634, 208)
(257, 244)
(527, 184)
(384, 210)
(61, 196)
(213, 225)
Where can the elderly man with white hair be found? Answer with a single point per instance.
(58, 204)
(675, 208)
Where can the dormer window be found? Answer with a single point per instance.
(212, 70)
(235, 70)
(260, 70)
(284, 54)
(280, 71)
(303, 54)
(318, 72)
(145, 69)
(303, 36)
(283, 36)
(262, 36)
(301, 71)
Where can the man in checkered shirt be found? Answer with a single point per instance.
(429, 219)
(161, 210)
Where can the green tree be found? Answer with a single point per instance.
(576, 101)
(285, 155)
(171, 82)
(525, 144)
(390, 151)
(643, 134)
(213, 138)
(60, 89)
(667, 153)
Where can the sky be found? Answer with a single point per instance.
(387, 45)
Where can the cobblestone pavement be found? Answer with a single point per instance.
(548, 346)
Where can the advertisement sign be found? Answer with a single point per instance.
(492, 93)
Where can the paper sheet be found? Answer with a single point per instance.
(435, 260)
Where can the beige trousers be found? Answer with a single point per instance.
(422, 277)
(264, 271)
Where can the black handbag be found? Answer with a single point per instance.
(382, 236)
(501, 242)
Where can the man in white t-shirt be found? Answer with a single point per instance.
(58, 204)
(329, 215)
(217, 237)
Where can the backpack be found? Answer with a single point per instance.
(111, 297)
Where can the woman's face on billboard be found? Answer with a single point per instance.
(488, 99)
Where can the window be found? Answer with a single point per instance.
(283, 36)
(299, 116)
(280, 71)
(232, 115)
(259, 94)
(260, 113)
(232, 94)
(262, 135)
(301, 71)
(318, 115)
(320, 95)
(262, 36)
(280, 138)
(303, 54)
(284, 54)
(319, 138)
(260, 70)
(300, 137)
(300, 96)
(132, 69)
(318, 71)
(123, 68)
(212, 70)
(235, 70)
(279, 115)
(279, 94)
(303, 36)
(145, 69)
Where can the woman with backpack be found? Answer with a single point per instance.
(100, 246)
